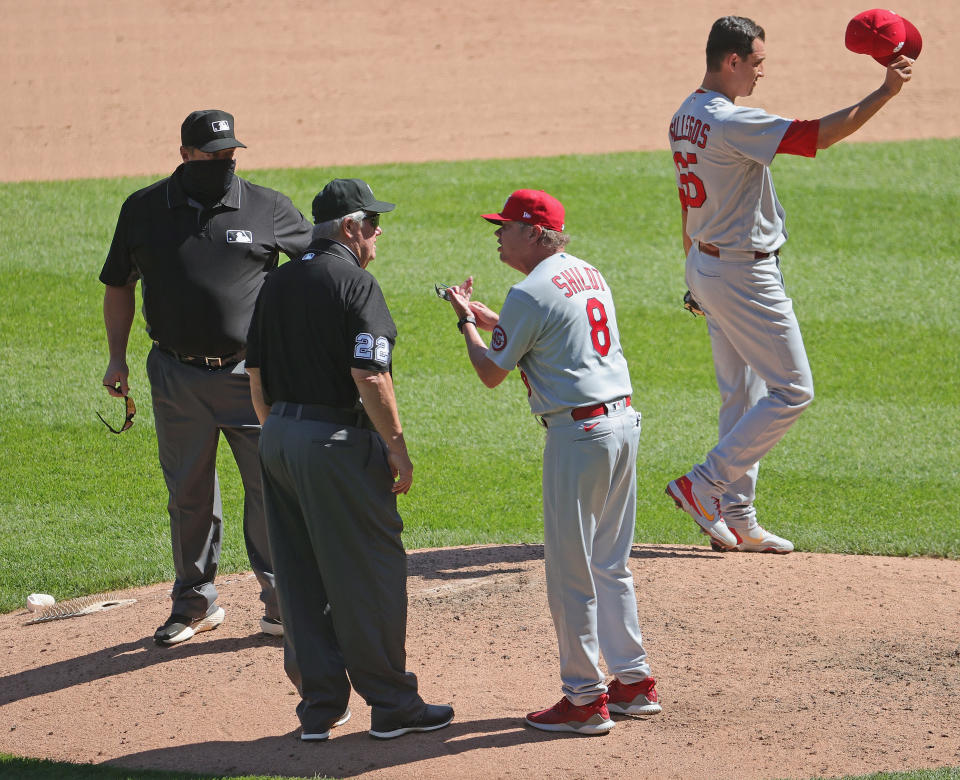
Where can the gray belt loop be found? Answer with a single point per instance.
(299, 411)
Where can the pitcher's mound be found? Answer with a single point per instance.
(767, 667)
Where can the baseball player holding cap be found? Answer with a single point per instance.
(733, 229)
(202, 241)
(559, 325)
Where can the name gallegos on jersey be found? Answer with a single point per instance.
(689, 128)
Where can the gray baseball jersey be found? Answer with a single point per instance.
(721, 154)
(559, 325)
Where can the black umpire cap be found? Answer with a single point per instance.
(209, 130)
(346, 196)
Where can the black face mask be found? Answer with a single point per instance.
(207, 180)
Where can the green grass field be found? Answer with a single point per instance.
(32, 769)
(872, 266)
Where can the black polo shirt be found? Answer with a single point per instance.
(315, 319)
(201, 269)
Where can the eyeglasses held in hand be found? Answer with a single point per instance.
(128, 422)
(441, 290)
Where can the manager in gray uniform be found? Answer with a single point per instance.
(201, 241)
(559, 326)
(334, 459)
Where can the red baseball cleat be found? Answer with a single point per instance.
(634, 699)
(592, 718)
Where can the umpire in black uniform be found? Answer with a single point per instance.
(201, 242)
(334, 459)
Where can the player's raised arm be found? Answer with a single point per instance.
(838, 125)
(894, 43)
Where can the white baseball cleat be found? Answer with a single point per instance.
(704, 509)
(756, 539)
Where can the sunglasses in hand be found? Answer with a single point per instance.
(131, 410)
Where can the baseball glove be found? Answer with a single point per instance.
(691, 305)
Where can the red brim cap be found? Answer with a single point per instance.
(532, 207)
(884, 35)
(913, 43)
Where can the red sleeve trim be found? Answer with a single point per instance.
(800, 138)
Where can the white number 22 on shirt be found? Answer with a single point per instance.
(370, 348)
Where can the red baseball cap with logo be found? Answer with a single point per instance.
(884, 35)
(534, 207)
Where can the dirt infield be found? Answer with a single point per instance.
(797, 666)
(99, 87)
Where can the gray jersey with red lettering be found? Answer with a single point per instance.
(560, 326)
(722, 154)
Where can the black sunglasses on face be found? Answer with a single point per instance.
(373, 219)
(128, 422)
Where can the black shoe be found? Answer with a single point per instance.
(320, 736)
(179, 628)
(431, 718)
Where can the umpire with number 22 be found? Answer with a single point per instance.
(334, 459)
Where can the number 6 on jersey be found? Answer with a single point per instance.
(692, 192)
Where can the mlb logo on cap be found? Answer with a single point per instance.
(884, 35)
(209, 130)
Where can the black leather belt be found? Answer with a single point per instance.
(204, 361)
(321, 413)
(714, 251)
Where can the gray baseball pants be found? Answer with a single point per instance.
(191, 406)
(761, 365)
(589, 517)
(341, 569)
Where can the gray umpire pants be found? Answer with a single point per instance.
(761, 365)
(191, 406)
(341, 569)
